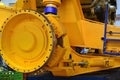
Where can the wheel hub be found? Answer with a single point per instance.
(27, 41)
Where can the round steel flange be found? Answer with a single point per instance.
(27, 41)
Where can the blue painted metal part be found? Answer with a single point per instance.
(113, 32)
(50, 9)
(112, 39)
(110, 32)
(105, 28)
(112, 53)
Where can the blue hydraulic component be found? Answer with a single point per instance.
(50, 9)
(109, 39)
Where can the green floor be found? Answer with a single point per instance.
(9, 75)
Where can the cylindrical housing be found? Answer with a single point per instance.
(55, 2)
(51, 6)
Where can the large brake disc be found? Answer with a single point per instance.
(27, 41)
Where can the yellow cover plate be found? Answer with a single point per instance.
(27, 41)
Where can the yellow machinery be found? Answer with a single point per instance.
(33, 41)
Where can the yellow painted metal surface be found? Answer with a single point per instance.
(25, 4)
(31, 40)
(6, 12)
(53, 2)
(27, 40)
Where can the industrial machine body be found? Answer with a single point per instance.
(47, 41)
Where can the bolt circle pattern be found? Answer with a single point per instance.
(27, 41)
